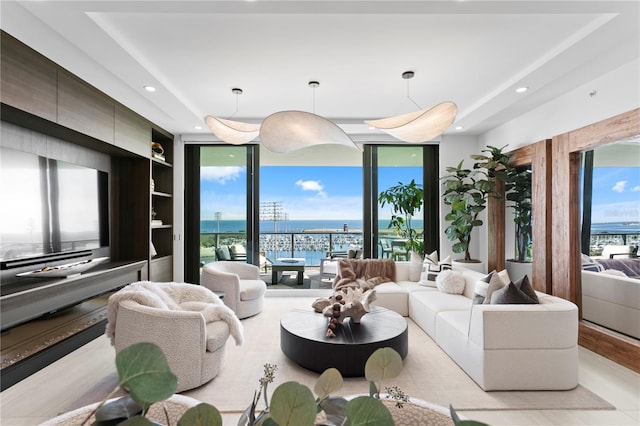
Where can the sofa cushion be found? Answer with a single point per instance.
(424, 307)
(450, 282)
(252, 289)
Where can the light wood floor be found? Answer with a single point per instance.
(44, 394)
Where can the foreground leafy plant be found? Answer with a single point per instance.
(294, 404)
(143, 371)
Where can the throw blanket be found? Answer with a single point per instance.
(364, 273)
(174, 296)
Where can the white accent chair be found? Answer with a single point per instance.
(244, 290)
(194, 349)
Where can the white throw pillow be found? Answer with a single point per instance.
(450, 281)
(415, 267)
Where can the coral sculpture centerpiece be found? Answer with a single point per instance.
(345, 303)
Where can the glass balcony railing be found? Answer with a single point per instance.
(308, 245)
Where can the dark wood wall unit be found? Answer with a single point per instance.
(130, 212)
(47, 110)
(132, 131)
(85, 109)
(29, 81)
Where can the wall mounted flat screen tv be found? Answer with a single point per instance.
(50, 206)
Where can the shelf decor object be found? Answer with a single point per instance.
(419, 126)
(157, 151)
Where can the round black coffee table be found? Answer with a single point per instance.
(303, 339)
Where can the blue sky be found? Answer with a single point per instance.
(306, 193)
(616, 194)
(312, 193)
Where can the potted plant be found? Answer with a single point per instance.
(405, 200)
(466, 191)
(518, 192)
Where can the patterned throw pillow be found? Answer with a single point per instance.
(431, 270)
(480, 291)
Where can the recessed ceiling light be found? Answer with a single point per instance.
(197, 127)
(521, 89)
(459, 127)
(149, 88)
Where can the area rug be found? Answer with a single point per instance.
(428, 373)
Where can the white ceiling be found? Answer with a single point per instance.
(474, 53)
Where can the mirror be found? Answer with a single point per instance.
(567, 273)
(610, 234)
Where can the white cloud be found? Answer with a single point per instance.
(220, 174)
(619, 186)
(312, 185)
(635, 188)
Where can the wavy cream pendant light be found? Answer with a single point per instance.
(287, 131)
(420, 126)
(233, 132)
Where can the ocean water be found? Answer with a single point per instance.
(291, 225)
(313, 247)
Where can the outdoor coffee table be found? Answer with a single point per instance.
(287, 264)
(303, 339)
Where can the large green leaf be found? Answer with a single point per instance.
(384, 363)
(293, 404)
(143, 370)
(365, 410)
(201, 415)
(329, 382)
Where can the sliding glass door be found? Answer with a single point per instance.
(220, 205)
(388, 166)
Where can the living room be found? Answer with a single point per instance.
(600, 93)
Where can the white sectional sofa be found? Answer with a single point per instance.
(501, 347)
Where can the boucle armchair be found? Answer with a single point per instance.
(188, 322)
(244, 290)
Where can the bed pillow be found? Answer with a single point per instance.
(588, 264)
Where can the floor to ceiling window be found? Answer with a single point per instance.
(389, 165)
(311, 202)
(303, 204)
(220, 205)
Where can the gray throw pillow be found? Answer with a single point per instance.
(524, 285)
(511, 295)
